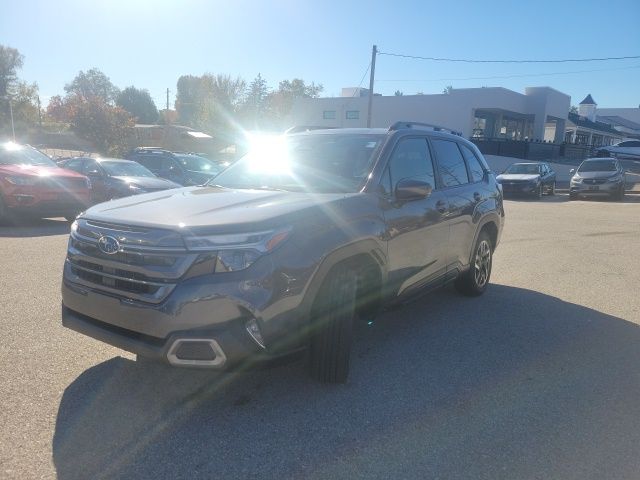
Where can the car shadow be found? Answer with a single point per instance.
(40, 227)
(514, 384)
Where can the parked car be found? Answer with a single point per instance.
(115, 178)
(31, 184)
(285, 248)
(528, 178)
(628, 149)
(598, 177)
(184, 168)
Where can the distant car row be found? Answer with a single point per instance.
(598, 177)
(31, 184)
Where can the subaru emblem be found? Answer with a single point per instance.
(108, 245)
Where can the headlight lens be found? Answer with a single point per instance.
(238, 251)
(21, 180)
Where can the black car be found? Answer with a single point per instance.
(115, 178)
(187, 169)
(528, 178)
(285, 248)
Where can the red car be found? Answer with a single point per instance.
(31, 184)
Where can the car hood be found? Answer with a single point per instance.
(148, 182)
(213, 208)
(517, 176)
(596, 174)
(38, 171)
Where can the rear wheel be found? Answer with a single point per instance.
(332, 327)
(552, 189)
(475, 280)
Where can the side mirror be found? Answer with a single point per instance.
(409, 189)
(94, 173)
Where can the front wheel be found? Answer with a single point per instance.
(475, 280)
(540, 191)
(552, 190)
(332, 327)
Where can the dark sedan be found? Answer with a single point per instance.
(531, 178)
(115, 178)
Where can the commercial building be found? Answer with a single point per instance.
(588, 128)
(539, 114)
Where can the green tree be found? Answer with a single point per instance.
(573, 109)
(281, 101)
(255, 103)
(10, 62)
(398, 93)
(93, 83)
(447, 90)
(139, 104)
(104, 125)
(188, 99)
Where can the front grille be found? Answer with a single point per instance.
(594, 181)
(141, 270)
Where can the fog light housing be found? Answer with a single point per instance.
(254, 331)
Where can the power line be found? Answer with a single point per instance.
(509, 76)
(464, 60)
(362, 79)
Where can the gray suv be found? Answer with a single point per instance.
(285, 248)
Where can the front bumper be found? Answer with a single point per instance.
(602, 189)
(50, 204)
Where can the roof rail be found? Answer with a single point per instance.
(425, 126)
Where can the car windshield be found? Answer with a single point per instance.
(324, 163)
(196, 163)
(125, 169)
(523, 168)
(598, 166)
(13, 154)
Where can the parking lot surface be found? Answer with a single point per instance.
(538, 378)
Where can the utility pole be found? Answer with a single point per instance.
(374, 52)
(39, 112)
(167, 99)
(13, 131)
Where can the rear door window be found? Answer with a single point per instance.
(475, 169)
(75, 165)
(451, 165)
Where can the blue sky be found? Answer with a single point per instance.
(150, 43)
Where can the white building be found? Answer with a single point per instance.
(538, 114)
(587, 127)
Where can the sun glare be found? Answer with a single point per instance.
(268, 153)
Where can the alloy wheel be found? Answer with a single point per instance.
(482, 265)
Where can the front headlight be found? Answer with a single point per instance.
(21, 180)
(614, 178)
(237, 251)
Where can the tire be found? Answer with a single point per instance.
(572, 196)
(474, 281)
(538, 194)
(552, 190)
(620, 195)
(332, 327)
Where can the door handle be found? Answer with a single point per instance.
(441, 206)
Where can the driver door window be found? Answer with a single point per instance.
(411, 159)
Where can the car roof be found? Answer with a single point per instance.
(113, 160)
(342, 131)
(528, 163)
(599, 159)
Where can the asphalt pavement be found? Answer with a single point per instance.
(537, 379)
